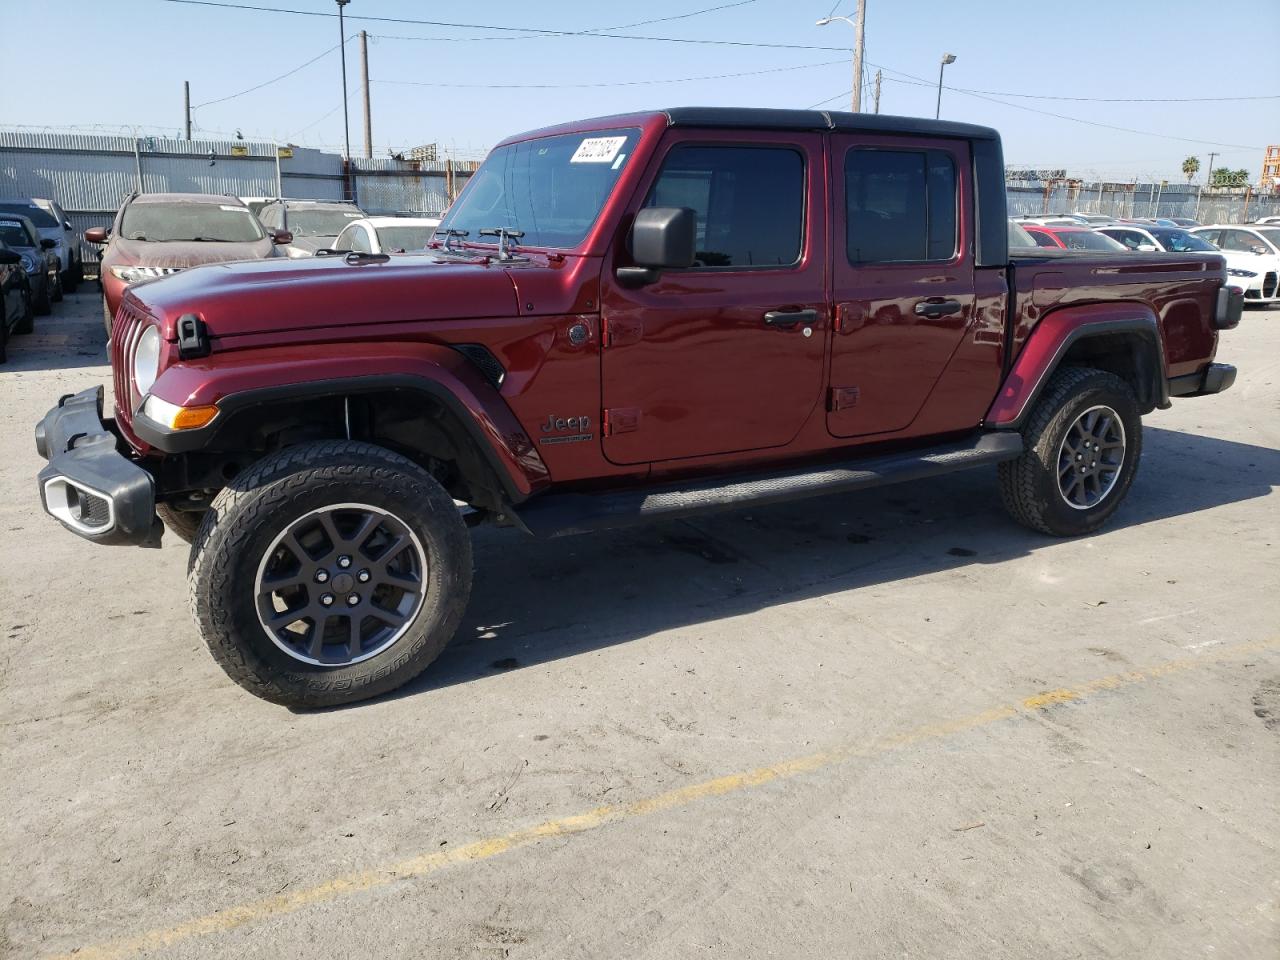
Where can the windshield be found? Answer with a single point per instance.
(1179, 241)
(164, 222)
(552, 188)
(1088, 240)
(320, 221)
(14, 234)
(37, 215)
(1271, 235)
(404, 238)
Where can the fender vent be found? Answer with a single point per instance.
(484, 361)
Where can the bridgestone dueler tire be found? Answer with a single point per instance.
(183, 524)
(262, 501)
(1029, 484)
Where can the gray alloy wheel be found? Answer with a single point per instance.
(1091, 457)
(341, 584)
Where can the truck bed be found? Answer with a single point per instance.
(1179, 290)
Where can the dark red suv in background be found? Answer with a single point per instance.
(156, 234)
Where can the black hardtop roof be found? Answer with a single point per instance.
(765, 118)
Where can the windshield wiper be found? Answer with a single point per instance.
(505, 237)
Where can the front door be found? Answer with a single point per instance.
(727, 355)
(902, 277)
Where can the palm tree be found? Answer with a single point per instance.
(1190, 167)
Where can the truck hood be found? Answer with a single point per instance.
(279, 295)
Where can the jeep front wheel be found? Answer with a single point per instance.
(328, 573)
(1083, 441)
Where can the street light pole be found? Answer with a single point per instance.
(946, 59)
(342, 49)
(859, 42)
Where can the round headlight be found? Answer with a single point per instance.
(146, 360)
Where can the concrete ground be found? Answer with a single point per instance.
(885, 725)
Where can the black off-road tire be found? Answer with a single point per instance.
(4, 339)
(27, 322)
(57, 289)
(1029, 485)
(183, 524)
(260, 503)
(71, 279)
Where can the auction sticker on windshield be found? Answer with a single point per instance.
(597, 150)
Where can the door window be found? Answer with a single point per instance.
(359, 240)
(749, 202)
(901, 206)
(1242, 240)
(1042, 239)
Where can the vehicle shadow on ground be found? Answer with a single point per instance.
(535, 601)
(62, 341)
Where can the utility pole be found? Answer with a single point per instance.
(858, 24)
(342, 48)
(1209, 176)
(946, 59)
(186, 105)
(364, 79)
(877, 91)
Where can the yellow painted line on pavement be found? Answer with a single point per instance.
(428, 863)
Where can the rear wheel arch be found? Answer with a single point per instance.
(1130, 347)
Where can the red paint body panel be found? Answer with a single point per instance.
(210, 380)
(693, 379)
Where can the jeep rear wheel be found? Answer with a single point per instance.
(329, 573)
(1083, 442)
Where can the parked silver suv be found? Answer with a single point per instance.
(52, 224)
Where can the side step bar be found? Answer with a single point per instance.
(561, 514)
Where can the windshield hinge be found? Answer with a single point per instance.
(193, 338)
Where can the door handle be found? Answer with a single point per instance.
(789, 318)
(937, 307)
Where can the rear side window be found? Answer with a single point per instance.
(900, 205)
(749, 202)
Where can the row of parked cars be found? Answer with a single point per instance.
(1252, 250)
(39, 261)
(155, 234)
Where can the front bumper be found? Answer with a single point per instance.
(1215, 378)
(88, 485)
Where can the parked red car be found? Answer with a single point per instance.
(1073, 238)
(629, 318)
(158, 234)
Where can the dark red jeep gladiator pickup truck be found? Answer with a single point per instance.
(629, 318)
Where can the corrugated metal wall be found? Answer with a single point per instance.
(90, 176)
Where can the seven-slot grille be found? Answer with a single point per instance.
(125, 332)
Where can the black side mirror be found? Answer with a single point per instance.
(48, 244)
(8, 257)
(66, 225)
(662, 238)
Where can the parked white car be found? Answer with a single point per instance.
(1253, 256)
(387, 234)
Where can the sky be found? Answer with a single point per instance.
(119, 67)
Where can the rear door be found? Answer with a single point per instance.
(725, 356)
(902, 277)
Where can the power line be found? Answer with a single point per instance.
(505, 29)
(267, 83)
(618, 83)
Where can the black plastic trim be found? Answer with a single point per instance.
(765, 118)
(991, 231)
(1143, 326)
(206, 438)
(561, 514)
(1228, 308)
(1215, 378)
(83, 448)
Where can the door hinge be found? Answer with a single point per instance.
(842, 398)
(618, 332)
(621, 420)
